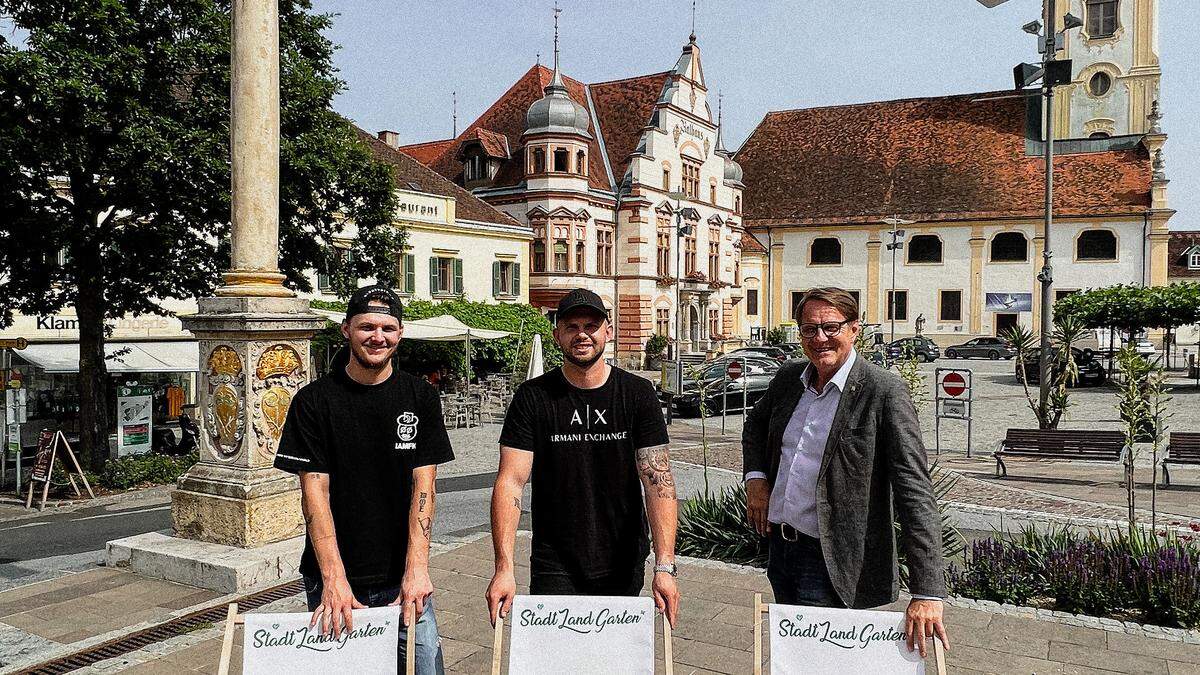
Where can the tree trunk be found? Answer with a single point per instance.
(93, 369)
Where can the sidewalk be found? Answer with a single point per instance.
(714, 632)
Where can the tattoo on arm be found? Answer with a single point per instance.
(655, 464)
(426, 526)
(517, 503)
(422, 499)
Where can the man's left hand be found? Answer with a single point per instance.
(666, 595)
(923, 620)
(415, 590)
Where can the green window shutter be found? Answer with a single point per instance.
(496, 290)
(433, 276)
(410, 273)
(458, 276)
(516, 278)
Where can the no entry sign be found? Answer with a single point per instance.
(734, 370)
(953, 384)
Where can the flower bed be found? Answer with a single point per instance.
(1135, 577)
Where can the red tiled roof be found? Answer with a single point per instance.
(428, 151)
(624, 108)
(751, 244)
(1179, 242)
(411, 174)
(943, 158)
(494, 144)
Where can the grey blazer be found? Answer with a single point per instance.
(874, 459)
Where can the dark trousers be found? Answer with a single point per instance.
(558, 582)
(796, 569)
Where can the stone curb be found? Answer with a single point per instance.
(1008, 520)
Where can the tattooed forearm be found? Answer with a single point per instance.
(517, 503)
(655, 465)
(422, 498)
(426, 526)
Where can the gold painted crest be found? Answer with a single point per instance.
(278, 360)
(274, 406)
(224, 361)
(225, 415)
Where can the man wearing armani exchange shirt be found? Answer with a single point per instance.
(590, 438)
(826, 453)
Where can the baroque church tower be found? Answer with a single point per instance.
(1115, 65)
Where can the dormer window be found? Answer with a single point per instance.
(1193, 258)
(560, 160)
(539, 160)
(581, 163)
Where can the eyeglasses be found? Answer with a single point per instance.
(829, 328)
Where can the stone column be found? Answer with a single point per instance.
(254, 337)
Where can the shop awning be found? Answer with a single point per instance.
(122, 357)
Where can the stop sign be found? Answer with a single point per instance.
(734, 370)
(954, 384)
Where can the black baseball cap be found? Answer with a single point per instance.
(581, 297)
(360, 302)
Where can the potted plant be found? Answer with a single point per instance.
(655, 346)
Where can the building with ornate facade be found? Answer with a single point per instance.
(968, 171)
(603, 173)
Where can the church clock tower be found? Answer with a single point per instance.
(1115, 65)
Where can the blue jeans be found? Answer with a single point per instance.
(796, 569)
(428, 658)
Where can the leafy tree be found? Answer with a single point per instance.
(114, 157)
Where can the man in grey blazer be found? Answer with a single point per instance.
(826, 453)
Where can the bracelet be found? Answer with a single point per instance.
(670, 568)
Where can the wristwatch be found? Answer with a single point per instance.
(669, 568)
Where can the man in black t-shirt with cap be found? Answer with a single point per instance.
(590, 437)
(366, 440)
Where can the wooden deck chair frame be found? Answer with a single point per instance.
(760, 607)
(233, 620)
(498, 646)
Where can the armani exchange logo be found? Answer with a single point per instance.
(406, 431)
(586, 419)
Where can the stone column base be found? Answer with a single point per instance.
(224, 569)
(243, 522)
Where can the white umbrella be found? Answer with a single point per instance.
(536, 361)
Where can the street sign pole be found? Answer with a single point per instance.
(744, 370)
(953, 399)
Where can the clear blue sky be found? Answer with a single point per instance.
(402, 60)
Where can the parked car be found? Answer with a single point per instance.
(770, 351)
(924, 349)
(756, 377)
(988, 347)
(1091, 371)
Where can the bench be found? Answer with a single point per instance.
(1184, 448)
(1059, 444)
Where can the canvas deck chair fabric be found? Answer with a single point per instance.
(580, 634)
(828, 640)
(233, 619)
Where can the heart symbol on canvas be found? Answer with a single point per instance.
(275, 626)
(540, 606)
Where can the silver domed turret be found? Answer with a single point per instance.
(557, 112)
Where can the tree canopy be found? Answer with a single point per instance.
(1130, 308)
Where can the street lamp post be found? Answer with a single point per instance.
(680, 231)
(1051, 73)
(897, 244)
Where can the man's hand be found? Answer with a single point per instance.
(415, 590)
(500, 594)
(758, 496)
(666, 595)
(337, 601)
(922, 620)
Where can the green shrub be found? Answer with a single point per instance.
(714, 526)
(655, 345)
(127, 472)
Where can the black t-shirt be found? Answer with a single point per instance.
(368, 438)
(587, 509)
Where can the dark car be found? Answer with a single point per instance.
(922, 348)
(720, 390)
(769, 351)
(1091, 371)
(989, 347)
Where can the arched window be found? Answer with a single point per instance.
(539, 256)
(1096, 245)
(825, 251)
(1096, 135)
(666, 179)
(560, 159)
(737, 204)
(560, 255)
(925, 248)
(581, 163)
(1010, 247)
(539, 160)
